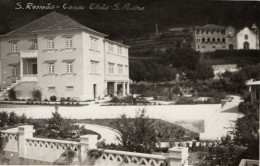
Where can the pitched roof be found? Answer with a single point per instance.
(211, 26)
(50, 22)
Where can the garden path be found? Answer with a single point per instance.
(108, 135)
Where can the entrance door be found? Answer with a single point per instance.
(34, 68)
(95, 90)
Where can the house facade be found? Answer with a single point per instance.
(248, 39)
(63, 58)
(211, 37)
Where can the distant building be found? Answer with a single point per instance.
(248, 39)
(172, 38)
(63, 58)
(220, 69)
(213, 37)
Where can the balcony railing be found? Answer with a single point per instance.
(29, 78)
(29, 54)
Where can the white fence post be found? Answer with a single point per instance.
(178, 156)
(87, 142)
(24, 132)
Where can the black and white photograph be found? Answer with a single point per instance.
(129, 82)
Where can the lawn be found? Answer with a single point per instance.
(166, 131)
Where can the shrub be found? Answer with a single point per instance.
(13, 119)
(46, 100)
(37, 95)
(115, 99)
(5, 99)
(3, 118)
(23, 118)
(3, 141)
(53, 98)
(13, 94)
(133, 137)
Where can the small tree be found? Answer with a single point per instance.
(37, 95)
(138, 134)
(204, 71)
(13, 94)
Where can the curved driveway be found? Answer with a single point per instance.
(108, 135)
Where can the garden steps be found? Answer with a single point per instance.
(3, 93)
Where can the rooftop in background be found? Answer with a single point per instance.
(50, 22)
(254, 83)
(211, 26)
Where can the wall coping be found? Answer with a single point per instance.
(153, 156)
(53, 141)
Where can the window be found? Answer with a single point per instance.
(110, 48)
(213, 40)
(246, 37)
(93, 43)
(50, 44)
(218, 40)
(197, 31)
(69, 42)
(34, 45)
(213, 46)
(120, 69)
(208, 40)
(207, 32)
(119, 50)
(69, 88)
(223, 40)
(203, 40)
(202, 32)
(51, 68)
(69, 67)
(222, 32)
(212, 32)
(51, 88)
(14, 47)
(94, 67)
(126, 69)
(110, 68)
(15, 71)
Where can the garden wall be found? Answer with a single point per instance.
(22, 148)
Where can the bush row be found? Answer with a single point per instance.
(11, 119)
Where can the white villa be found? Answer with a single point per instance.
(63, 58)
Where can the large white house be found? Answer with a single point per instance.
(63, 58)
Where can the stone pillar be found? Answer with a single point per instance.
(124, 94)
(178, 156)
(115, 88)
(21, 68)
(24, 132)
(127, 88)
(87, 142)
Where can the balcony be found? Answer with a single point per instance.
(29, 54)
(29, 78)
